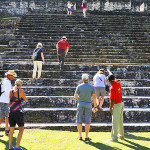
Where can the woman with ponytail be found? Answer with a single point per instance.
(16, 116)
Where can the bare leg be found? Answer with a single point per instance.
(101, 102)
(87, 129)
(21, 129)
(1, 118)
(6, 123)
(11, 136)
(79, 126)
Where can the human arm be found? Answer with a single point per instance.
(10, 94)
(42, 57)
(105, 81)
(112, 102)
(109, 71)
(24, 96)
(57, 46)
(76, 96)
(67, 49)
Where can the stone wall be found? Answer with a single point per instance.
(21, 7)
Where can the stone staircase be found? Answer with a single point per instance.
(118, 42)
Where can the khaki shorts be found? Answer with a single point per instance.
(4, 109)
(100, 91)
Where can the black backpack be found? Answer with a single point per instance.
(1, 84)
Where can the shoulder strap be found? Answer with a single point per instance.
(18, 94)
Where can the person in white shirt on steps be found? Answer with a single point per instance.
(99, 81)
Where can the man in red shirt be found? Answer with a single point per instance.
(62, 50)
(116, 108)
(84, 7)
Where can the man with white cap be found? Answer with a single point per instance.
(4, 98)
(62, 50)
(83, 94)
(38, 61)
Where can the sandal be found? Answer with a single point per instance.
(6, 132)
(88, 139)
(79, 138)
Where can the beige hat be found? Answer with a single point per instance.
(11, 72)
(64, 37)
(85, 76)
(39, 44)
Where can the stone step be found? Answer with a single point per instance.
(78, 28)
(93, 43)
(79, 57)
(70, 102)
(80, 67)
(83, 49)
(68, 115)
(75, 82)
(77, 74)
(75, 53)
(69, 91)
(76, 37)
(138, 126)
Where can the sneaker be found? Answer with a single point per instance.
(1, 135)
(88, 139)
(112, 140)
(79, 138)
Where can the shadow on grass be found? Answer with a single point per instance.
(6, 143)
(100, 146)
(131, 136)
(133, 145)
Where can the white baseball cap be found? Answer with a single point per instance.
(85, 76)
(39, 44)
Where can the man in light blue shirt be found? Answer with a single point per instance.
(83, 94)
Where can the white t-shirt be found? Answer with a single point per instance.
(99, 80)
(69, 5)
(6, 87)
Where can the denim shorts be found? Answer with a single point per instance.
(83, 115)
(4, 109)
(69, 9)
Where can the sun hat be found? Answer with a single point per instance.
(11, 72)
(85, 76)
(64, 37)
(39, 44)
(111, 77)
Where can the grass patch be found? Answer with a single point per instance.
(40, 139)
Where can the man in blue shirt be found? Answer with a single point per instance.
(83, 94)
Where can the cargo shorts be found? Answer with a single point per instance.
(4, 109)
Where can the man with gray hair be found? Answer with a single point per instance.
(83, 94)
(4, 98)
